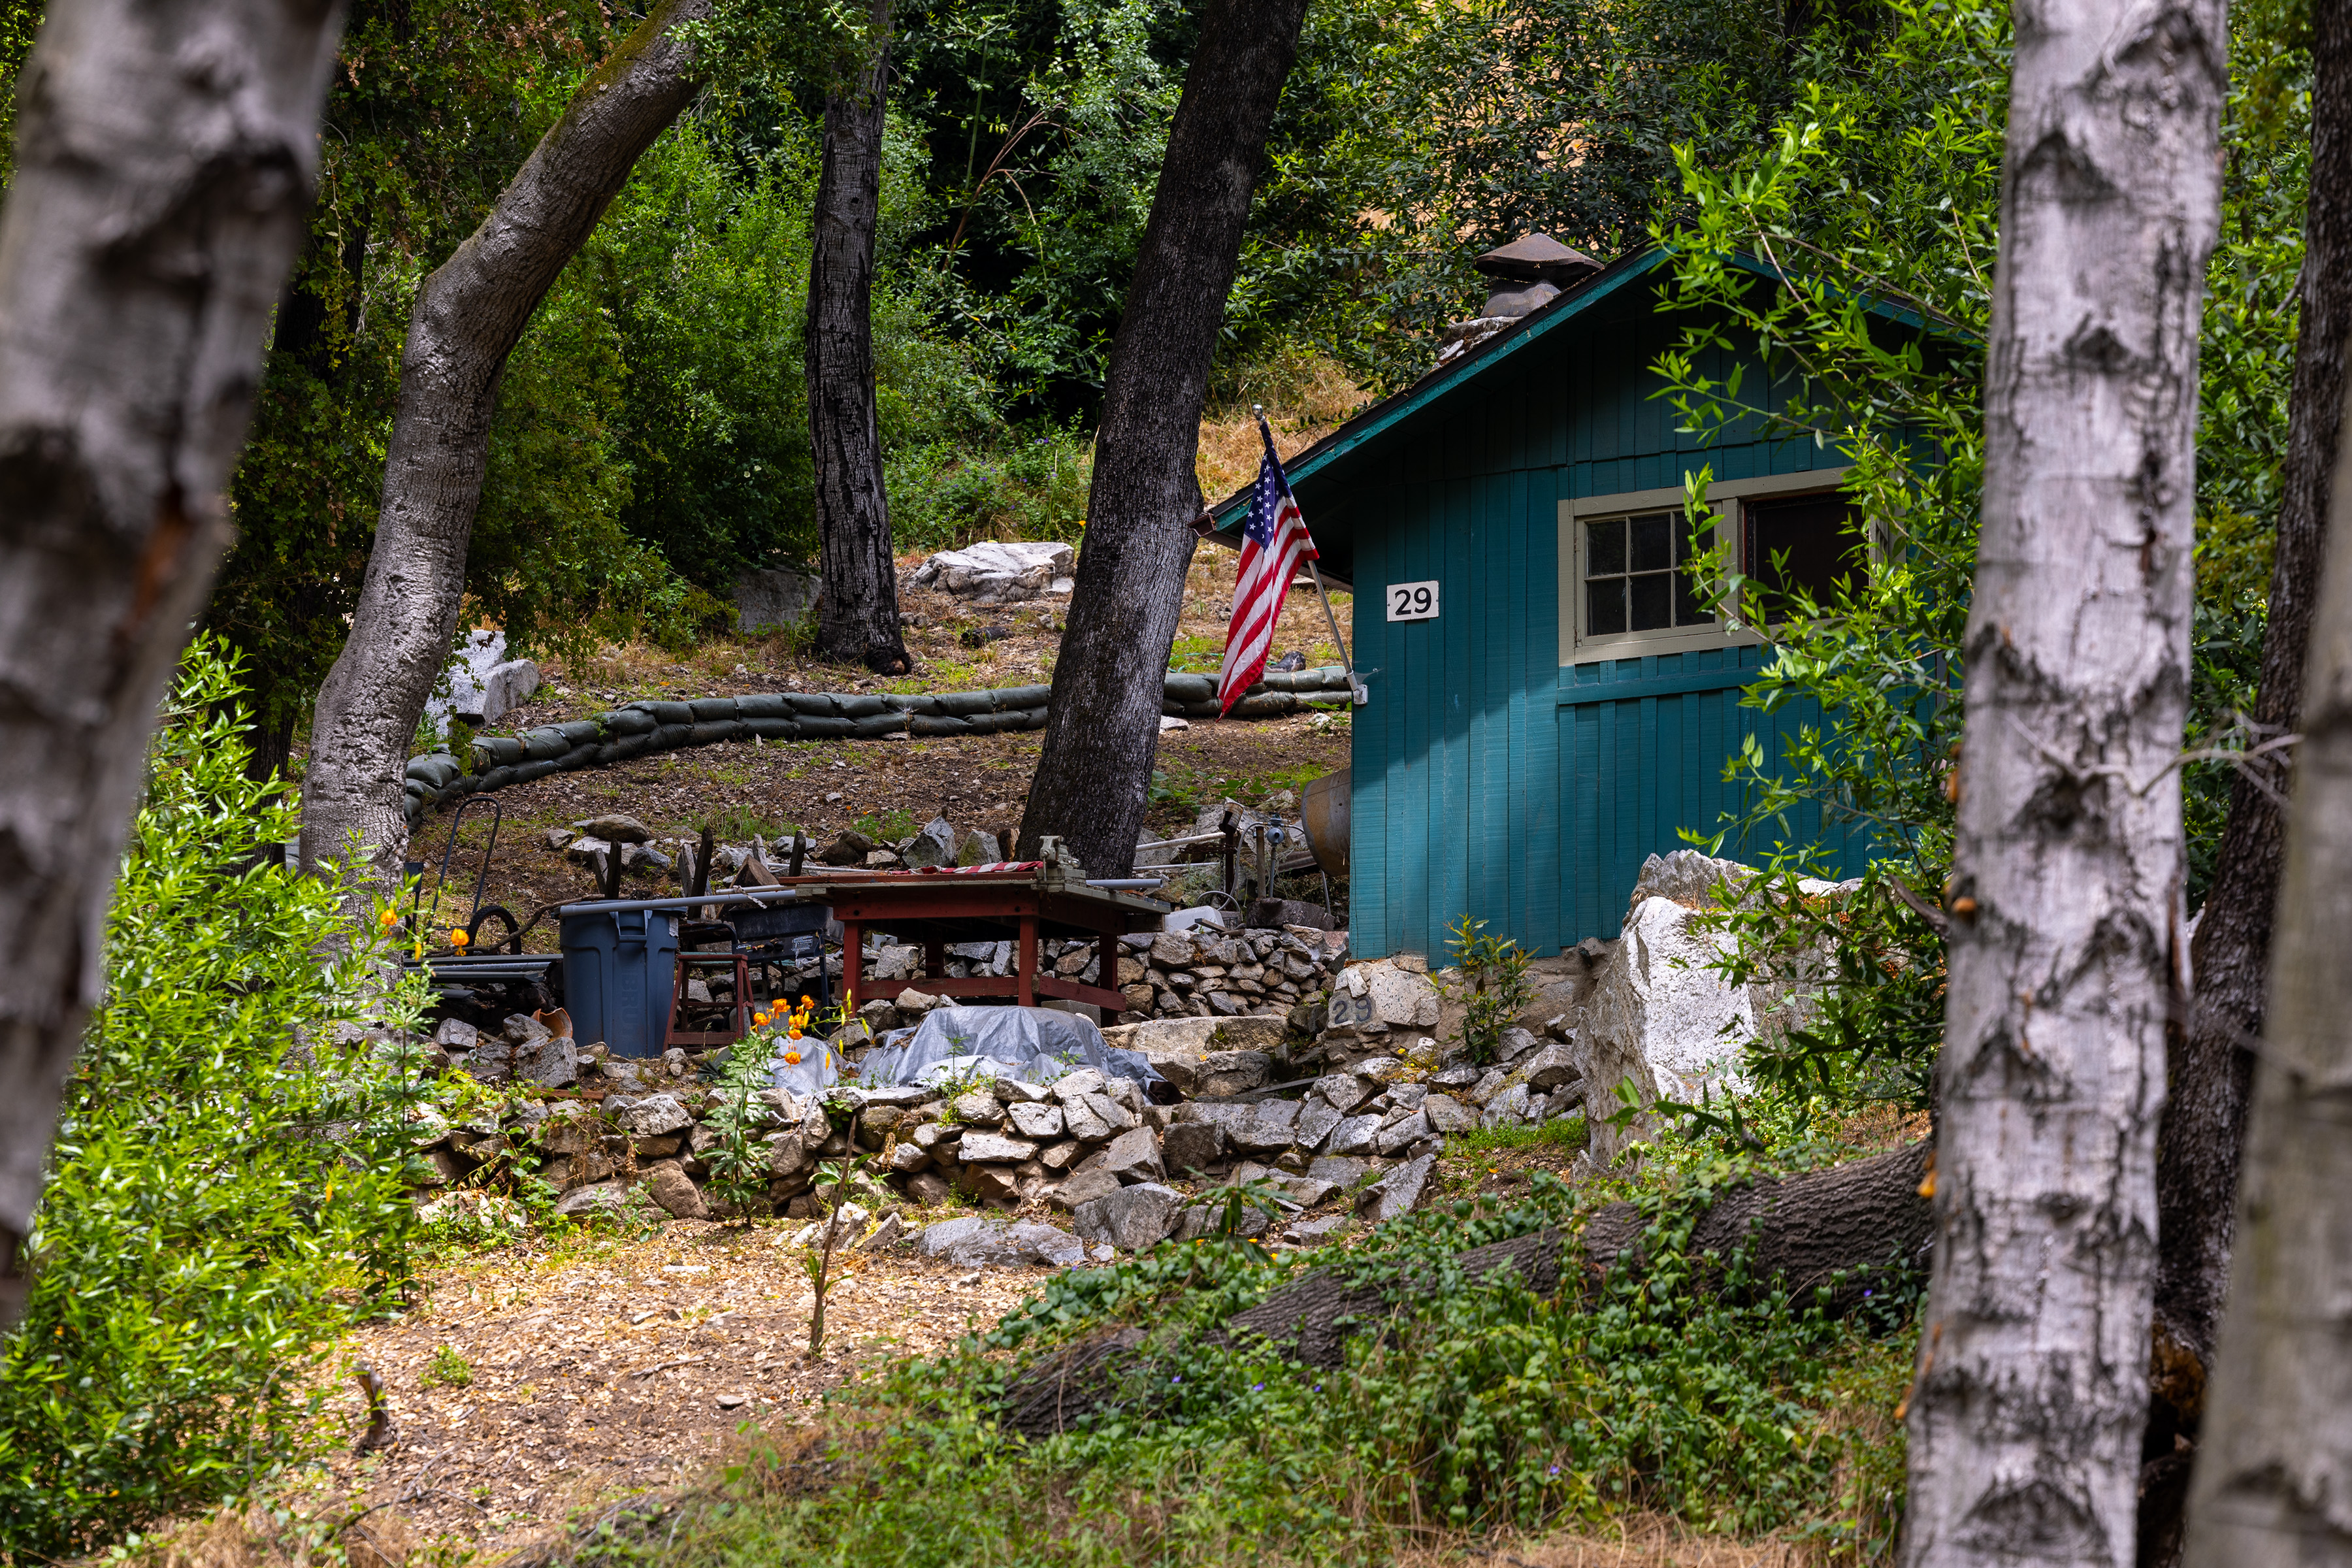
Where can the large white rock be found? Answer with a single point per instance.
(1663, 1016)
(993, 571)
(483, 683)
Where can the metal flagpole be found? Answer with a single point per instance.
(1357, 695)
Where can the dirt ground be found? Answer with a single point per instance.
(885, 788)
(888, 788)
(621, 1366)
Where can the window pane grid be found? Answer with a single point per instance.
(1636, 576)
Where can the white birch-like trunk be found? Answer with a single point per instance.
(2274, 1477)
(2032, 1393)
(164, 160)
(469, 314)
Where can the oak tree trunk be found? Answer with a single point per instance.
(858, 608)
(165, 161)
(2273, 1471)
(2209, 1065)
(469, 314)
(2032, 1390)
(1102, 722)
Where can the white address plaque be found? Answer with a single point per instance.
(1412, 601)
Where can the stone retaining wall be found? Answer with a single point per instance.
(640, 728)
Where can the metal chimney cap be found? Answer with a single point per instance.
(1537, 257)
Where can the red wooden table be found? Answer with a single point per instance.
(1018, 903)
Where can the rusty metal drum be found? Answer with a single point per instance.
(1324, 807)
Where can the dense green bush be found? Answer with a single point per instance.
(225, 1195)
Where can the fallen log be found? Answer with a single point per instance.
(1848, 1226)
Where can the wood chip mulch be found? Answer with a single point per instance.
(621, 1366)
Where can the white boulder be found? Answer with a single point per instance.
(995, 573)
(483, 683)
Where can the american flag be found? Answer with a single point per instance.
(1272, 545)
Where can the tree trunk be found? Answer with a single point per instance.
(2065, 895)
(1102, 722)
(2274, 1477)
(163, 181)
(1864, 1221)
(469, 315)
(857, 609)
(2209, 1066)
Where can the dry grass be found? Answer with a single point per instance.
(1642, 1541)
(1306, 399)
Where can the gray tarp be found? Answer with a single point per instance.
(819, 1069)
(1032, 1045)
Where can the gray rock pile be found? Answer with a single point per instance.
(1360, 1139)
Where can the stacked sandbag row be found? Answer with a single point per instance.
(1280, 694)
(636, 729)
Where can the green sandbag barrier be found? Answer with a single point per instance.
(639, 729)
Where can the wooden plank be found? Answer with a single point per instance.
(1618, 689)
(1371, 749)
(1449, 846)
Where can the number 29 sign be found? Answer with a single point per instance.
(1412, 601)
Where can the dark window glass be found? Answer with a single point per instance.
(1652, 543)
(1653, 602)
(1634, 576)
(1688, 611)
(1607, 557)
(1604, 606)
(1809, 543)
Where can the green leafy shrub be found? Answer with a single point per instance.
(738, 1161)
(1693, 1387)
(1027, 484)
(448, 1368)
(225, 1195)
(1494, 986)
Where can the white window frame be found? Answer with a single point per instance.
(1723, 496)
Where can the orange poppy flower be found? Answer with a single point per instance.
(792, 1058)
(457, 937)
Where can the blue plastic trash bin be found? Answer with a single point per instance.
(619, 967)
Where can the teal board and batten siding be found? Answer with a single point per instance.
(1488, 779)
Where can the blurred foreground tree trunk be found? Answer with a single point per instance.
(857, 612)
(469, 315)
(1102, 723)
(2211, 1062)
(2065, 897)
(2273, 1470)
(162, 180)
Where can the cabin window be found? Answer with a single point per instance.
(1628, 561)
(1808, 543)
(1637, 575)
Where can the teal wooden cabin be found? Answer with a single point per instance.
(1568, 707)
